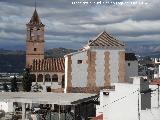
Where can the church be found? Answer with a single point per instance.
(100, 63)
(94, 67)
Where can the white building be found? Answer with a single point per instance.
(126, 102)
(131, 64)
(157, 67)
(99, 63)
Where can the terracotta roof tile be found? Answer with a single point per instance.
(155, 82)
(105, 40)
(100, 117)
(49, 64)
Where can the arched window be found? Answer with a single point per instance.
(40, 78)
(38, 33)
(32, 32)
(33, 77)
(55, 78)
(47, 78)
(49, 89)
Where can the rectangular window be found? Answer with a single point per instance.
(129, 64)
(79, 61)
(35, 49)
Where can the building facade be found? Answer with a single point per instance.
(156, 61)
(130, 101)
(35, 39)
(96, 66)
(131, 64)
(47, 72)
(100, 63)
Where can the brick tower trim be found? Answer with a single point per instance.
(35, 39)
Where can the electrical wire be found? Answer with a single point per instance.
(118, 99)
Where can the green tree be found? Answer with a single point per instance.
(27, 80)
(14, 86)
(5, 87)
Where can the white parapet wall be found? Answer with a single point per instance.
(6, 106)
(79, 71)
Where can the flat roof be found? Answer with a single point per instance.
(47, 97)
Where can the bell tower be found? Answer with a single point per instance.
(35, 39)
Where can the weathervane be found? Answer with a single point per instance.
(35, 4)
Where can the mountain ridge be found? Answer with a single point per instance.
(14, 60)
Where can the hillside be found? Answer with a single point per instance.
(144, 49)
(14, 61)
(58, 52)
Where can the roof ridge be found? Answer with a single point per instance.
(105, 39)
(95, 38)
(114, 39)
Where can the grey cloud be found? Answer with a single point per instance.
(62, 4)
(71, 25)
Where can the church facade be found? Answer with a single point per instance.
(49, 72)
(99, 64)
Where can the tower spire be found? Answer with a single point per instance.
(35, 20)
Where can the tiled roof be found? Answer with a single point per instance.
(35, 20)
(130, 57)
(49, 65)
(100, 117)
(155, 82)
(105, 40)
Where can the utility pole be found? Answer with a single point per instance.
(158, 95)
(59, 117)
(139, 117)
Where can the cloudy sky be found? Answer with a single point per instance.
(72, 25)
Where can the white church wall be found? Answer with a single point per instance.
(100, 67)
(79, 71)
(114, 67)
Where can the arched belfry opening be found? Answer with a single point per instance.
(35, 39)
